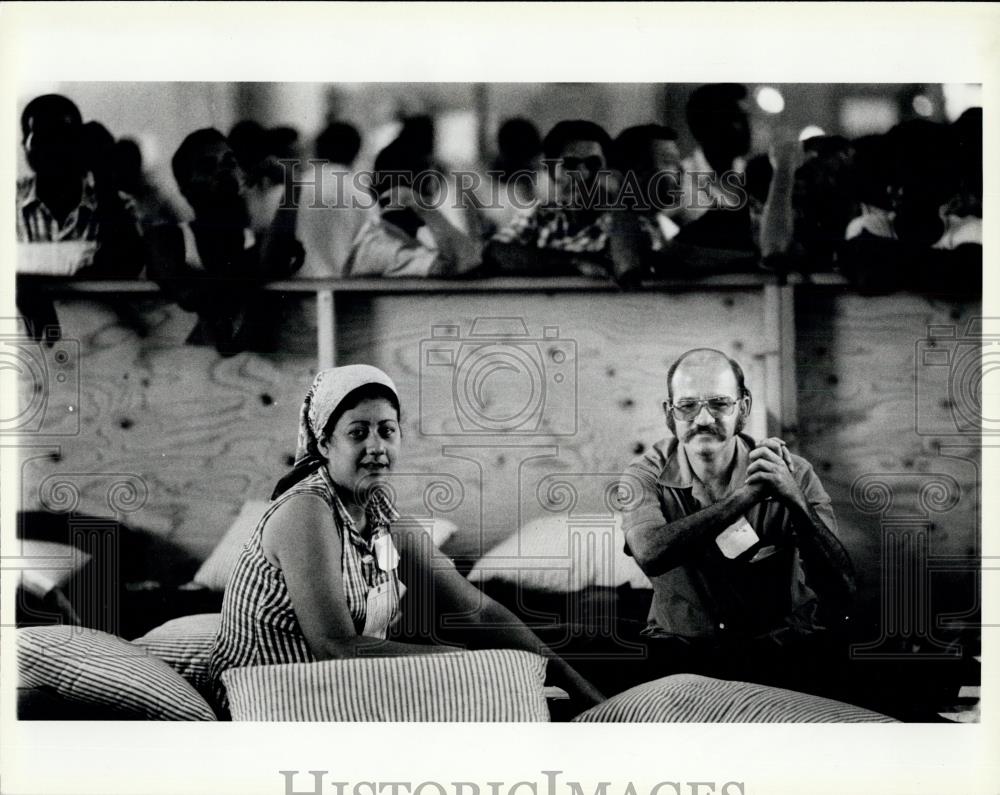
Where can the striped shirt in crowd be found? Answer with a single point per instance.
(35, 223)
(259, 626)
(549, 227)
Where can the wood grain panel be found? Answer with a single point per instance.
(623, 347)
(859, 378)
(206, 433)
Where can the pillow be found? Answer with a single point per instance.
(214, 572)
(563, 553)
(92, 669)
(689, 698)
(492, 685)
(185, 644)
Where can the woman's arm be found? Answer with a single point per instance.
(461, 610)
(302, 540)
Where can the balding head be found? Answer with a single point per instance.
(707, 360)
(700, 371)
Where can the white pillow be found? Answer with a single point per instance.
(214, 573)
(561, 553)
(689, 698)
(491, 685)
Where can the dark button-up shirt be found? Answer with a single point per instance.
(710, 595)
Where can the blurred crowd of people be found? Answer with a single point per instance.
(902, 210)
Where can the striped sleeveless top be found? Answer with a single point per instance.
(259, 626)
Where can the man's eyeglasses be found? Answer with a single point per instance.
(688, 409)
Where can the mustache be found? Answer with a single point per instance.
(711, 430)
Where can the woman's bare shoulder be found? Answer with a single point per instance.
(301, 519)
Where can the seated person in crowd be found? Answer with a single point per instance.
(332, 207)
(968, 201)
(717, 118)
(152, 206)
(822, 200)
(253, 145)
(810, 197)
(62, 203)
(215, 264)
(923, 177)
(510, 188)
(418, 135)
(324, 572)
(410, 236)
(921, 234)
(267, 158)
(739, 541)
(569, 234)
(659, 197)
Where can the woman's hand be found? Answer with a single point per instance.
(580, 690)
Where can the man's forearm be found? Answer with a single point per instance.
(454, 246)
(657, 549)
(827, 564)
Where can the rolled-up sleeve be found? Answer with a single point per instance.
(639, 496)
(812, 489)
(379, 253)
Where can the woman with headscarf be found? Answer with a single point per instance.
(324, 571)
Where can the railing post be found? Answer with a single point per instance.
(326, 329)
(780, 388)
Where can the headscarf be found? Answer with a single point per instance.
(328, 389)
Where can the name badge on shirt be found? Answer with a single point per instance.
(386, 556)
(737, 538)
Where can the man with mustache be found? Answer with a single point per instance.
(738, 539)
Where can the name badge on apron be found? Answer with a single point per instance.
(382, 607)
(737, 538)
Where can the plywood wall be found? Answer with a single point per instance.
(878, 423)
(607, 410)
(194, 433)
(204, 433)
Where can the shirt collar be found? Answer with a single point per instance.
(366, 545)
(677, 474)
